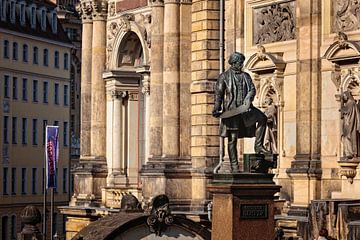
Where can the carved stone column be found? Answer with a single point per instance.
(98, 114)
(145, 75)
(171, 76)
(85, 10)
(156, 85)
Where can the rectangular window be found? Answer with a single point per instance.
(35, 55)
(15, 51)
(6, 130)
(14, 131)
(34, 132)
(35, 90)
(33, 181)
(6, 49)
(13, 181)
(66, 61)
(25, 53)
(5, 181)
(24, 89)
(23, 131)
(45, 92)
(46, 57)
(66, 95)
(44, 131)
(56, 59)
(23, 181)
(64, 182)
(14, 88)
(12, 11)
(66, 136)
(13, 227)
(22, 14)
(56, 95)
(6, 86)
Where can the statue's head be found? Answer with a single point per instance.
(236, 60)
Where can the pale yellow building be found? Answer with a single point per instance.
(35, 92)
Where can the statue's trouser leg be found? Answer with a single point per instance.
(260, 132)
(232, 142)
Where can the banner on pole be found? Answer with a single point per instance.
(51, 155)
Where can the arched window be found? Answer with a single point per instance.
(6, 49)
(56, 59)
(35, 55)
(15, 51)
(25, 53)
(13, 227)
(66, 61)
(46, 57)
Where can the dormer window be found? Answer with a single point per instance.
(54, 22)
(43, 19)
(3, 10)
(33, 16)
(12, 11)
(22, 13)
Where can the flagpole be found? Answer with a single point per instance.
(44, 201)
(52, 214)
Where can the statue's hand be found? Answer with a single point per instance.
(216, 113)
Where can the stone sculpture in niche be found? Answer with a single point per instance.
(350, 114)
(274, 23)
(234, 94)
(270, 139)
(346, 15)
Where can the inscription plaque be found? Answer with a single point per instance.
(253, 211)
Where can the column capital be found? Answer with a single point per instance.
(100, 8)
(157, 3)
(85, 10)
(144, 71)
(118, 94)
(172, 1)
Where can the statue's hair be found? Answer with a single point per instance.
(236, 56)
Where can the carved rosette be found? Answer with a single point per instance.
(85, 9)
(121, 24)
(100, 8)
(348, 169)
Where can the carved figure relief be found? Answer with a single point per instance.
(271, 133)
(346, 15)
(274, 23)
(350, 114)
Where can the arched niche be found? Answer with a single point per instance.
(268, 74)
(123, 33)
(267, 69)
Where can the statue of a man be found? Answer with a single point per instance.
(234, 94)
(270, 140)
(350, 125)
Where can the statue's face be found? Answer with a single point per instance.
(345, 97)
(238, 65)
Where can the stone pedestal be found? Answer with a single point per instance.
(243, 206)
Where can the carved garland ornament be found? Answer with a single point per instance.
(274, 23)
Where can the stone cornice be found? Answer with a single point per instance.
(100, 8)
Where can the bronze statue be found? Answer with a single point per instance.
(234, 94)
(270, 140)
(350, 114)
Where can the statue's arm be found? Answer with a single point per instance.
(219, 90)
(252, 91)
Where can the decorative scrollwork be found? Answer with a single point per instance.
(346, 14)
(160, 217)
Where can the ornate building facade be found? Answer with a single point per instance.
(148, 70)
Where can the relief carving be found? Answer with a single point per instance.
(84, 8)
(274, 23)
(346, 15)
(100, 8)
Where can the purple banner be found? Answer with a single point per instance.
(51, 155)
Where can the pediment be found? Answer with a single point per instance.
(343, 51)
(264, 62)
